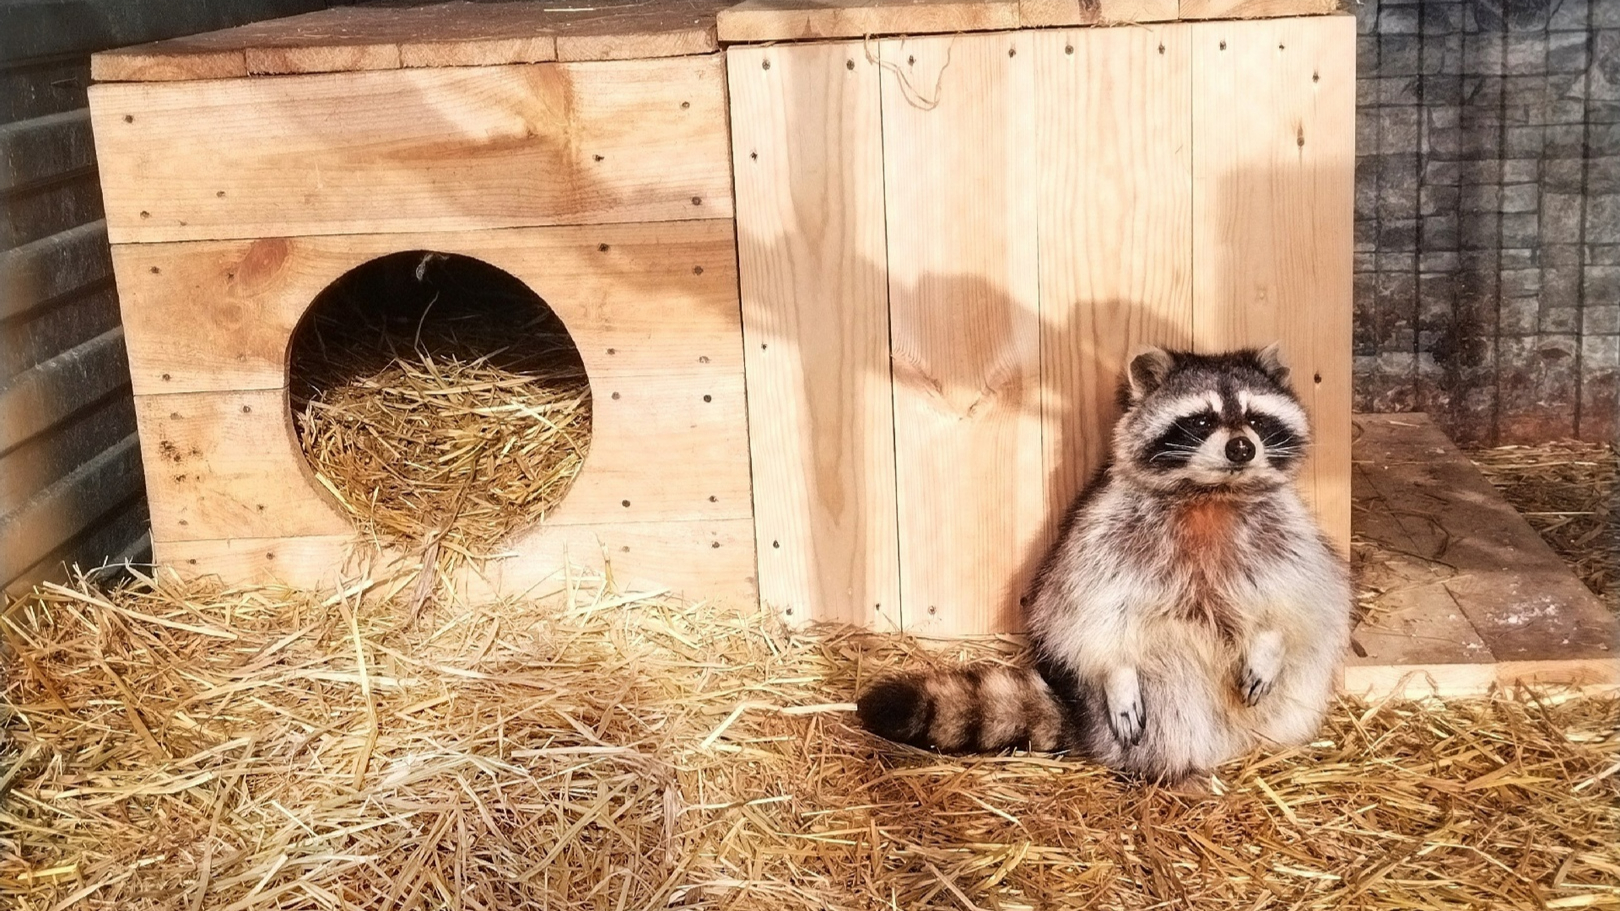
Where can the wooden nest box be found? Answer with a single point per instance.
(853, 283)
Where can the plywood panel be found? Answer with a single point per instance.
(681, 557)
(1113, 138)
(414, 150)
(959, 166)
(217, 315)
(800, 20)
(1273, 161)
(227, 464)
(808, 152)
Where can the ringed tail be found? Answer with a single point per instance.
(982, 708)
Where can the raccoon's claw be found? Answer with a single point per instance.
(1127, 719)
(1128, 725)
(1260, 670)
(1253, 686)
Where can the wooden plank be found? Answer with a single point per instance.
(1058, 13)
(634, 29)
(710, 560)
(808, 150)
(414, 150)
(346, 39)
(227, 464)
(217, 315)
(1113, 141)
(1468, 594)
(1256, 9)
(223, 463)
(1449, 681)
(1518, 594)
(676, 556)
(1273, 161)
(800, 20)
(169, 61)
(959, 166)
(1413, 620)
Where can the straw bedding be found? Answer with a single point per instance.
(186, 747)
(440, 403)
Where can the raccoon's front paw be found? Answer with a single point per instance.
(1126, 716)
(1260, 669)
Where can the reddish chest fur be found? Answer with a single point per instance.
(1205, 533)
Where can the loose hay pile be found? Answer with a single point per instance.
(443, 407)
(1566, 490)
(189, 748)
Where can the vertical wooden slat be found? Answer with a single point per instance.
(959, 166)
(1113, 137)
(808, 153)
(1273, 162)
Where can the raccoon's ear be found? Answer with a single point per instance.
(1270, 358)
(1149, 367)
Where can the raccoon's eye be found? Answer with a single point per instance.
(1202, 421)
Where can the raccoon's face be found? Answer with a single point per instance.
(1210, 421)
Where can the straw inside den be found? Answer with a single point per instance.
(440, 401)
(184, 747)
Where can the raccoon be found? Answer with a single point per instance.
(1190, 608)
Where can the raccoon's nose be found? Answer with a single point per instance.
(1239, 449)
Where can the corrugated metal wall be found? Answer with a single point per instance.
(70, 472)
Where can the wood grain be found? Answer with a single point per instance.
(414, 150)
(222, 464)
(680, 557)
(960, 190)
(1050, 13)
(1273, 163)
(801, 20)
(1113, 139)
(808, 150)
(1256, 9)
(218, 315)
(227, 464)
(356, 38)
(1470, 595)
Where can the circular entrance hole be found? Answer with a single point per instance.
(439, 399)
